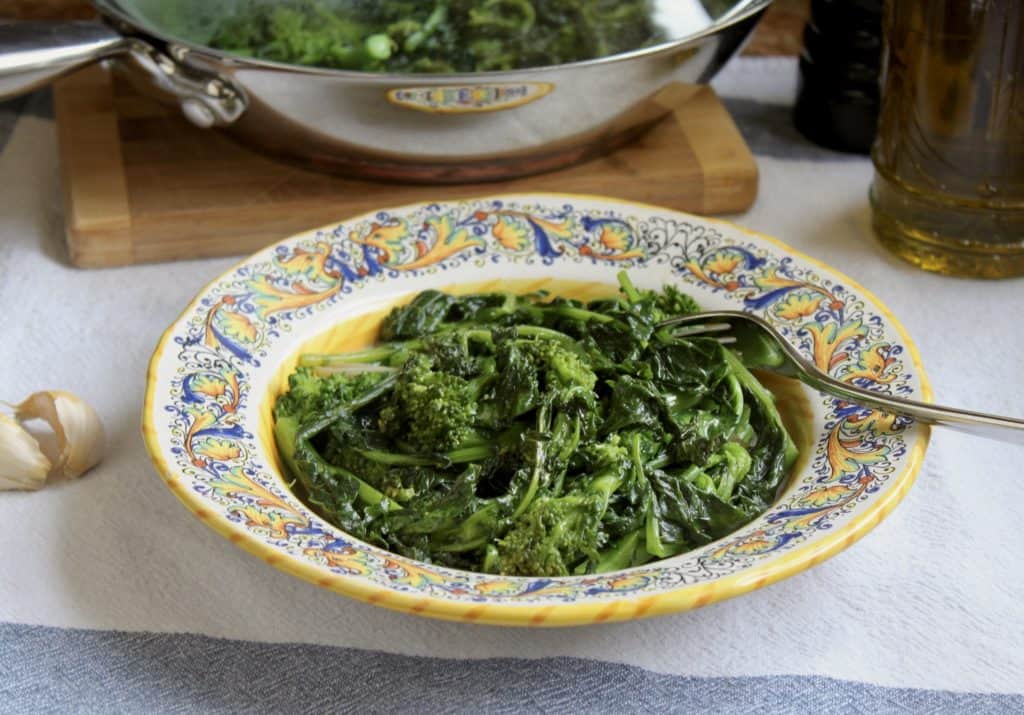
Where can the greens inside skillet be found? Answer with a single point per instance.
(534, 436)
(435, 35)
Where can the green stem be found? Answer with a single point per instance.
(397, 460)
(652, 533)
(581, 314)
(378, 353)
(469, 453)
(536, 331)
(767, 402)
(628, 289)
(436, 18)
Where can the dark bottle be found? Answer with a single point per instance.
(839, 92)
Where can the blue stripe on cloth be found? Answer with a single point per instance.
(63, 670)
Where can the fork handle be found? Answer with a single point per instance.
(1004, 429)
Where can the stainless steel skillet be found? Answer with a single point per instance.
(410, 127)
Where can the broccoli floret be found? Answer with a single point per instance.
(564, 370)
(310, 394)
(312, 406)
(672, 303)
(545, 366)
(451, 354)
(658, 306)
(556, 536)
(609, 454)
(430, 410)
(552, 536)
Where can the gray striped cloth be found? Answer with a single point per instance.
(67, 670)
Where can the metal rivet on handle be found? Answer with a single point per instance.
(197, 112)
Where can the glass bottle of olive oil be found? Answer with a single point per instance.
(948, 193)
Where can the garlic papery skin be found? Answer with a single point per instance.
(22, 464)
(76, 425)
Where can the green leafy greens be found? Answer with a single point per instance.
(531, 435)
(439, 36)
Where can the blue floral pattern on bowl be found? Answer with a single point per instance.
(210, 370)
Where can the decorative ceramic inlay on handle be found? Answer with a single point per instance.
(456, 99)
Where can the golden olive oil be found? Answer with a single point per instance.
(948, 193)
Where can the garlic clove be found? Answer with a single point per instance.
(22, 464)
(76, 425)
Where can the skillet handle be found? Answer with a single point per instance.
(33, 54)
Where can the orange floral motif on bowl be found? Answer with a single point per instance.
(201, 418)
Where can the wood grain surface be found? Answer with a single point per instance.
(141, 184)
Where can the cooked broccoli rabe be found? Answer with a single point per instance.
(438, 36)
(531, 435)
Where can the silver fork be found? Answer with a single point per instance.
(761, 344)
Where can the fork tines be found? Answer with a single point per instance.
(690, 331)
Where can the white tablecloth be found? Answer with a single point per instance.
(930, 600)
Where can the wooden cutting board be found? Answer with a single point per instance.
(141, 184)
